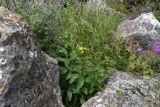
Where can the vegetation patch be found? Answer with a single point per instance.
(83, 42)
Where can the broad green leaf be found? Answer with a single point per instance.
(82, 99)
(52, 53)
(61, 59)
(63, 50)
(85, 91)
(69, 76)
(69, 95)
(63, 70)
(80, 83)
(91, 90)
(65, 61)
(74, 77)
(88, 80)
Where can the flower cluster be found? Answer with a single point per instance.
(82, 49)
(140, 49)
(156, 47)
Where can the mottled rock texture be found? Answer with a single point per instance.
(28, 77)
(30, 4)
(97, 3)
(102, 5)
(145, 30)
(128, 90)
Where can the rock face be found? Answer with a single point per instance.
(30, 4)
(145, 29)
(128, 90)
(102, 5)
(98, 3)
(28, 77)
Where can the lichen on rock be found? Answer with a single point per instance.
(145, 29)
(125, 89)
(28, 77)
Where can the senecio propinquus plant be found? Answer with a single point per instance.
(83, 70)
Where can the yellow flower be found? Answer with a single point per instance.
(82, 52)
(85, 48)
(81, 48)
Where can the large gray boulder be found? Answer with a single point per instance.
(145, 30)
(127, 90)
(28, 77)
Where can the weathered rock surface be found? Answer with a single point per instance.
(98, 3)
(102, 5)
(28, 77)
(145, 29)
(30, 4)
(128, 90)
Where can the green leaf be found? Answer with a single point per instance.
(91, 90)
(69, 95)
(74, 77)
(76, 91)
(69, 76)
(82, 99)
(76, 68)
(88, 80)
(63, 70)
(61, 59)
(63, 50)
(85, 91)
(80, 83)
(65, 61)
(73, 56)
(52, 53)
